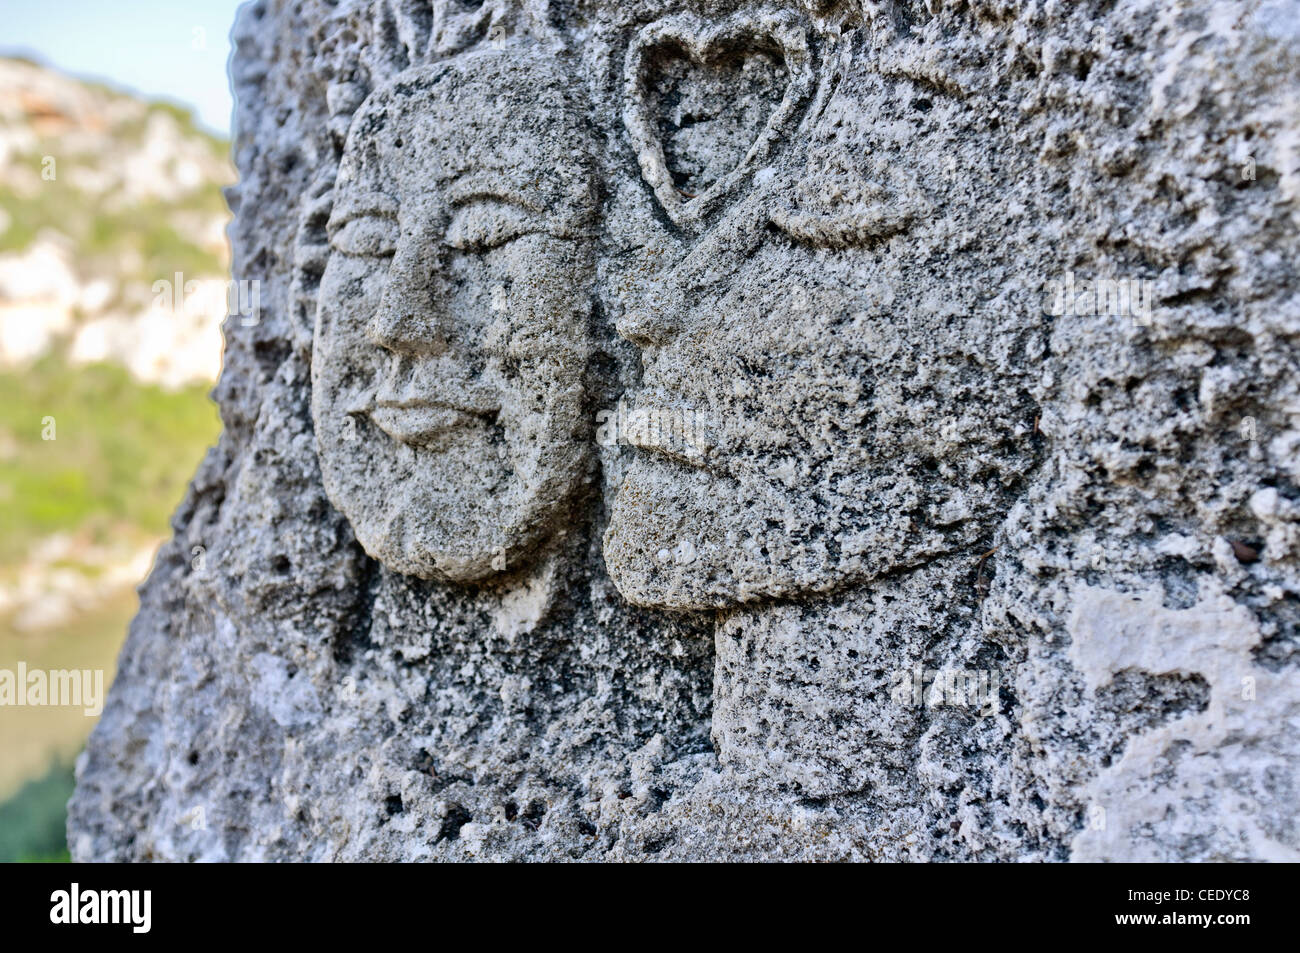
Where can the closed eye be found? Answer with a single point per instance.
(480, 226)
(368, 236)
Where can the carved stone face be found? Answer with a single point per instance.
(452, 328)
(813, 414)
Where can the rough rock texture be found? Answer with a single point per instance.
(687, 430)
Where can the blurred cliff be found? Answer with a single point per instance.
(113, 263)
(103, 195)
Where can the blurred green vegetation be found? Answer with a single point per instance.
(121, 458)
(32, 821)
(122, 454)
(106, 236)
(123, 450)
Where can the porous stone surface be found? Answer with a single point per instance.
(820, 429)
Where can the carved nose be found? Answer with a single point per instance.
(409, 318)
(648, 326)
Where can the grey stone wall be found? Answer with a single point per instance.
(720, 430)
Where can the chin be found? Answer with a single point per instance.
(668, 544)
(425, 559)
(495, 542)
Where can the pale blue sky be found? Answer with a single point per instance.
(166, 50)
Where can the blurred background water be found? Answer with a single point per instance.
(114, 126)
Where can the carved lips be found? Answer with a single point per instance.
(674, 431)
(419, 425)
(410, 414)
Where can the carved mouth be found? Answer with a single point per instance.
(673, 432)
(422, 423)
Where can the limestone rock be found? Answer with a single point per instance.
(733, 430)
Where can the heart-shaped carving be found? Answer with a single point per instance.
(705, 45)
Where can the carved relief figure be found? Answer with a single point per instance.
(780, 452)
(835, 387)
(452, 332)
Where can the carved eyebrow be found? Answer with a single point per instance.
(360, 206)
(481, 189)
